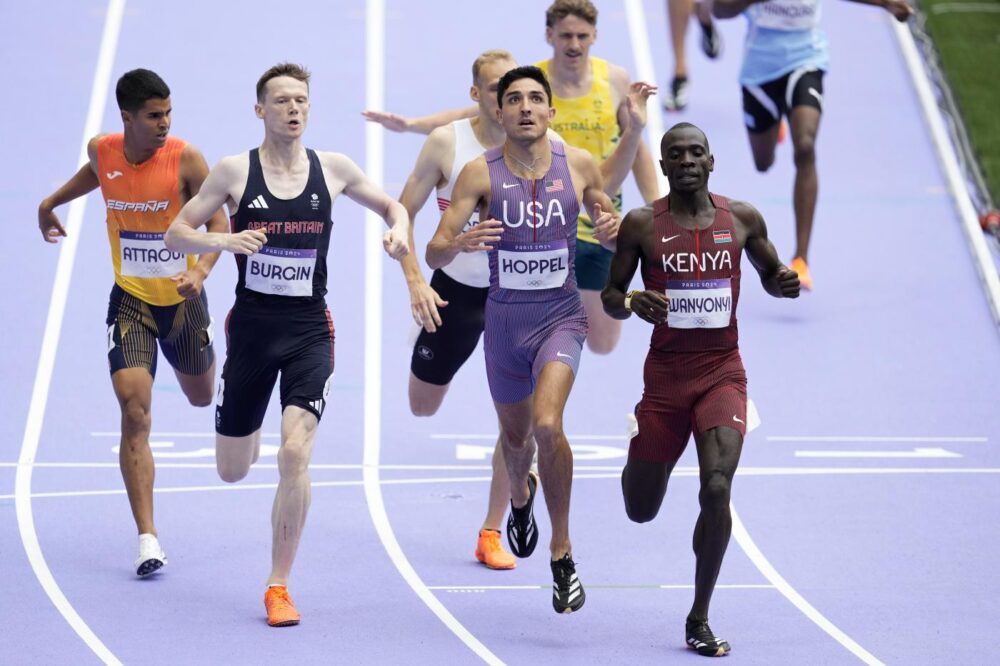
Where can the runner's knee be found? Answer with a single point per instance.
(135, 418)
(293, 457)
(548, 428)
(805, 151)
(715, 491)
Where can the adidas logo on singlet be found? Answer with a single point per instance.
(258, 202)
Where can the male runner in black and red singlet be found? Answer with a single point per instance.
(280, 197)
(689, 244)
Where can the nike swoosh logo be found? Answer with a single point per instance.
(507, 186)
(561, 355)
(739, 420)
(667, 240)
(114, 174)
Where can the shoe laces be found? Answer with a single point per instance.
(562, 569)
(491, 540)
(702, 632)
(279, 598)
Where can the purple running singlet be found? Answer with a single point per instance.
(534, 314)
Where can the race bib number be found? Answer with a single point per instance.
(145, 255)
(528, 266)
(699, 303)
(281, 271)
(788, 15)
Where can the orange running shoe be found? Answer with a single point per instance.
(280, 609)
(491, 553)
(805, 279)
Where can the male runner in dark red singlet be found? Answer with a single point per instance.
(689, 244)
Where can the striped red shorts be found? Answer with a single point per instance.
(687, 392)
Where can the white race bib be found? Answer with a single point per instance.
(788, 15)
(699, 303)
(281, 271)
(144, 254)
(531, 266)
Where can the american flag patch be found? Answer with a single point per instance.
(554, 185)
(722, 237)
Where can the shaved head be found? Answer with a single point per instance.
(681, 129)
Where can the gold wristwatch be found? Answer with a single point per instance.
(628, 299)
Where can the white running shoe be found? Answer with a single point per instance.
(151, 556)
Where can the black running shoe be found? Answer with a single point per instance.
(677, 97)
(522, 534)
(567, 591)
(701, 639)
(711, 40)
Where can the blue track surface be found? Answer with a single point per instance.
(894, 351)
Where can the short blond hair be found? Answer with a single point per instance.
(560, 9)
(297, 72)
(486, 58)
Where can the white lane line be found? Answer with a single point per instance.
(949, 163)
(846, 439)
(505, 588)
(50, 343)
(643, 54)
(585, 470)
(197, 435)
(578, 475)
(374, 154)
(493, 437)
(771, 574)
(915, 453)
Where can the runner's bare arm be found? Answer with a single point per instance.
(217, 188)
(427, 174)
(595, 199)
(193, 172)
(650, 306)
(777, 279)
(420, 125)
(362, 190)
(471, 189)
(631, 153)
(83, 181)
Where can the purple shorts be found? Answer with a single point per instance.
(520, 338)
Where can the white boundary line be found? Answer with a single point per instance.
(581, 474)
(50, 344)
(850, 439)
(949, 164)
(374, 152)
(680, 586)
(584, 469)
(643, 55)
(771, 574)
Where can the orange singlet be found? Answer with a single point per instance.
(142, 200)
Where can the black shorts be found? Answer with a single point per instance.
(764, 105)
(184, 332)
(593, 263)
(262, 342)
(438, 356)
